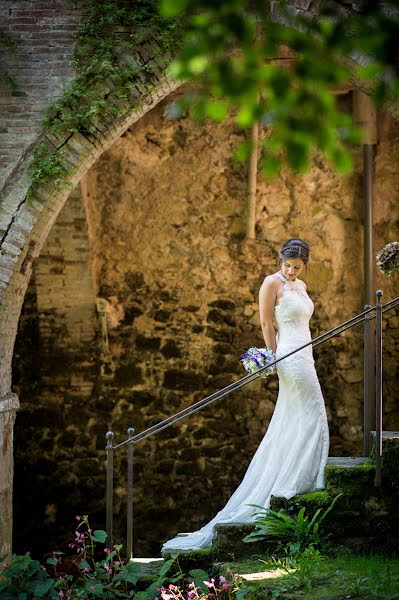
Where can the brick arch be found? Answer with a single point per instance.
(39, 63)
(34, 217)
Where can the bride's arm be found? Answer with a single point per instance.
(267, 302)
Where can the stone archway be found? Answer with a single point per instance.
(25, 222)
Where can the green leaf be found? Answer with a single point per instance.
(84, 565)
(370, 71)
(342, 160)
(243, 151)
(52, 561)
(271, 165)
(245, 116)
(40, 587)
(130, 573)
(19, 565)
(240, 594)
(13, 593)
(197, 64)
(99, 536)
(199, 576)
(172, 8)
(165, 567)
(216, 111)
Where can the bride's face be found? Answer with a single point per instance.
(292, 267)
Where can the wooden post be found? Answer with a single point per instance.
(252, 181)
(365, 117)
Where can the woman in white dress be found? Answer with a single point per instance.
(293, 453)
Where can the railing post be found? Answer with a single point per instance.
(110, 487)
(129, 540)
(367, 368)
(378, 389)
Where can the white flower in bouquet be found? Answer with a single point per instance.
(256, 358)
(388, 259)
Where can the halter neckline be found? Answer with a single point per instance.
(283, 278)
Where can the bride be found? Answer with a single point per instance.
(291, 457)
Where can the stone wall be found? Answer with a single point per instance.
(165, 209)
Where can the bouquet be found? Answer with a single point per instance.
(256, 358)
(388, 259)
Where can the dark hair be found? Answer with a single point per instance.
(294, 248)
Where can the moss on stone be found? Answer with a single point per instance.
(312, 501)
(203, 558)
(390, 461)
(229, 538)
(353, 481)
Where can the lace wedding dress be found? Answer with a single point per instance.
(293, 453)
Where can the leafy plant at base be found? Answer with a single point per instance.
(298, 531)
(79, 576)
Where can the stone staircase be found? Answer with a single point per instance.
(363, 517)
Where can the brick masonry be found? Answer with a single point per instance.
(38, 62)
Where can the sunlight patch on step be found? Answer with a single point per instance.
(266, 574)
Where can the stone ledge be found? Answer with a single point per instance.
(9, 402)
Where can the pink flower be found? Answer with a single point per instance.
(86, 570)
(107, 550)
(92, 587)
(78, 518)
(60, 594)
(210, 584)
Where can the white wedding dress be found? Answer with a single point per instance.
(293, 453)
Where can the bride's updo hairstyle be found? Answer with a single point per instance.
(294, 248)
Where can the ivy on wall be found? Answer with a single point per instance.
(108, 66)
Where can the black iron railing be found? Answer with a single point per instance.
(372, 366)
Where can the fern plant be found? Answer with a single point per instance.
(298, 531)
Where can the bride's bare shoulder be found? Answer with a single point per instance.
(303, 284)
(270, 282)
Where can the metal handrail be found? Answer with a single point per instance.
(189, 410)
(365, 316)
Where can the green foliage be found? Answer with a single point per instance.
(79, 576)
(47, 167)
(298, 531)
(108, 67)
(107, 62)
(233, 48)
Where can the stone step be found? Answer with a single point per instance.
(388, 435)
(353, 475)
(347, 461)
(148, 566)
(390, 457)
